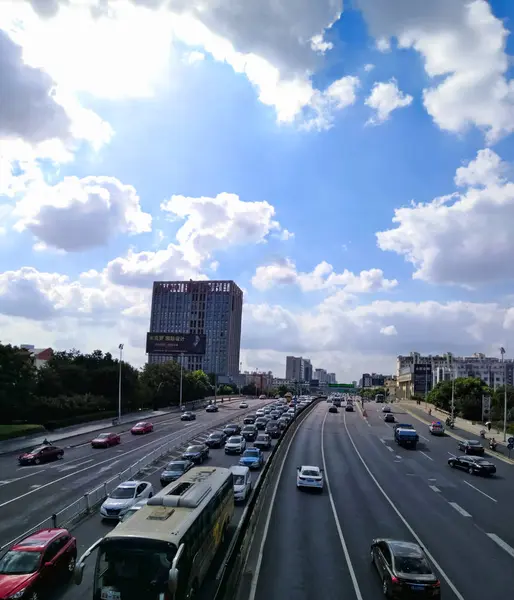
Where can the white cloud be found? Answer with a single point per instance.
(369, 67)
(286, 235)
(319, 45)
(194, 57)
(383, 45)
(463, 47)
(80, 214)
(463, 238)
(384, 98)
(388, 330)
(321, 277)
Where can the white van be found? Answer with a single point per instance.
(242, 482)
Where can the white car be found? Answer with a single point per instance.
(133, 510)
(236, 444)
(261, 412)
(121, 499)
(386, 409)
(242, 481)
(243, 405)
(308, 476)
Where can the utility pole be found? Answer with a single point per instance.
(120, 348)
(181, 378)
(453, 394)
(504, 364)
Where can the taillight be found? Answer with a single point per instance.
(437, 584)
(394, 579)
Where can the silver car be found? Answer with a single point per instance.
(121, 499)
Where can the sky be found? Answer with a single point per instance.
(348, 165)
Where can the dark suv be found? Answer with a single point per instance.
(249, 432)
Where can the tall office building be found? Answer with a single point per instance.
(202, 308)
(298, 368)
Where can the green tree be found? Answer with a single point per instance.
(17, 383)
(282, 390)
(498, 402)
(467, 396)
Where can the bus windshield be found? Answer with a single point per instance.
(133, 569)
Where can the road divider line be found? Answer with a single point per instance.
(459, 509)
(435, 489)
(426, 455)
(398, 457)
(70, 467)
(382, 440)
(390, 449)
(8, 481)
(443, 573)
(336, 518)
(503, 545)
(480, 491)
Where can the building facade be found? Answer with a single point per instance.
(40, 356)
(210, 308)
(371, 380)
(307, 370)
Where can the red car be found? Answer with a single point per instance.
(142, 427)
(105, 440)
(31, 568)
(41, 454)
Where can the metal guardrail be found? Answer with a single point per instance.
(237, 553)
(72, 514)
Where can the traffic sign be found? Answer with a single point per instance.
(340, 385)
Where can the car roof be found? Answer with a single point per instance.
(235, 437)
(471, 442)
(311, 467)
(131, 484)
(216, 433)
(39, 540)
(403, 548)
(238, 470)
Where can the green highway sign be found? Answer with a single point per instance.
(341, 385)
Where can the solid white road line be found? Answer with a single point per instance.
(458, 595)
(435, 488)
(425, 454)
(336, 518)
(8, 481)
(71, 467)
(503, 545)
(459, 509)
(480, 491)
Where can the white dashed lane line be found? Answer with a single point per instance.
(435, 488)
(459, 509)
(390, 449)
(426, 455)
(503, 545)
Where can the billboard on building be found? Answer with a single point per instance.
(175, 343)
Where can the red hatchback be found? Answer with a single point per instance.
(31, 568)
(104, 440)
(142, 427)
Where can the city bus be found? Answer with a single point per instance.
(380, 398)
(164, 551)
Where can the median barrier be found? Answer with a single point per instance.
(230, 574)
(72, 514)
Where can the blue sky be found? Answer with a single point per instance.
(194, 144)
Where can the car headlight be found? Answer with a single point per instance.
(17, 594)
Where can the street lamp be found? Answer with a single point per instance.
(452, 405)
(181, 378)
(502, 352)
(120, 348)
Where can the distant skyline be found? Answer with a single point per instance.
(350, 167)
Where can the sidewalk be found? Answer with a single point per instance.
(462, 426)
(30, 441)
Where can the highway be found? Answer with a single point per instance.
(30, 494)
(319, 545)
(93, 528)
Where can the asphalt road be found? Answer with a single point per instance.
(318, 545)
(93, 528)
(31, 494)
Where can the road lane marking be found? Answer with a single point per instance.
(435, 488)
(382, 440)
(390, 449)
(71, 467)
(336, 518)
(503, 545)
(8, 481)
(425, 454)
(459, 509)
(443, 573)
(481, 492)
(399, 457)
(424, 438)
(452, 455)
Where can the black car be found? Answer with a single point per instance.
(283, 423)
(249, 432)
(333, 409)
(188, 416)
(250, 420)
(474, 465)
(196, 453)
(175, 469)
(275, 414)
(212, 408)
(389, 418)
(217, 439)
(471, 447)
(263, 441)
(232, 429)
(41, 454)
(273, 430)
(349, 408)
(260, 423)
(404, 569)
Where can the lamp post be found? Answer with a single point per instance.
(181, 378)
(120, 348)
(502, 352)
(453, 394)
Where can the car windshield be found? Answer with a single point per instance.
(123, 493)
(36, 450)
(310, 473)
(251, 452)
(140, 424)
(473, 443)
(238, 479)
(215, 436)
(176, 466)
(103, 436)
(19, 563)
(231, 427)
(417, 565)
(234, 440)
(194, 449)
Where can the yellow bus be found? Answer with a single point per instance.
(164, 551)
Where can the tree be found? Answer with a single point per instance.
(468, 394)
(282, 390)
(17, 383)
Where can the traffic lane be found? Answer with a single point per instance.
(303, 557)
(38, 503)
(25, 478)
(363, 511)
(94, 528)
(458, 544)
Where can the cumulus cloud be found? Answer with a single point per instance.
(284, 272)
(462, 238)
(384, 99)
(388, 330)
(462, 45)
(80, 214)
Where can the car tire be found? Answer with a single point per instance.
(37, 461)
(471, 471)
(452, 464)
